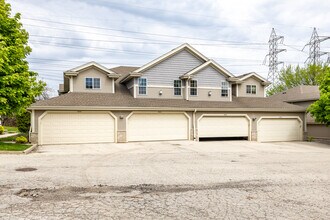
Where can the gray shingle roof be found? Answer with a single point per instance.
(298, 94)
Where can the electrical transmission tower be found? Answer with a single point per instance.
(274, 41)
(314, 48)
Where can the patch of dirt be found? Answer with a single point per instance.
(26, 169)
(66, 193)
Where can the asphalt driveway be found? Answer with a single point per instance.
(183, 179)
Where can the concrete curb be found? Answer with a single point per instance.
(27, 151)
(30, 149)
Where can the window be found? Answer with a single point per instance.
(93, 83)
(142, 86)
(251, 89)
(177, 87)
(193, 87)
(224, 89)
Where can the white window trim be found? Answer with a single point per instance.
(92, 83)
(251, 89)
(193, 87)
(228, 89)
(138, 86)
(177, 87)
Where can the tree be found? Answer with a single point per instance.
(290, 77)
(18, 85)
(320, 109)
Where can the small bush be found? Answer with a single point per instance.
(2, 129)
(21, 140)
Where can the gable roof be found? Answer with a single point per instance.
(211, 63)
(254, 74)
(298, 94)
(185, 46)
(75, 71)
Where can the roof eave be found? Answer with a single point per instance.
(77, 108)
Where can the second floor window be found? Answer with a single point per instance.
(224, 89)
(142, 86)
(251, 89)
(193, 87)
(177, 87)
(93, 83)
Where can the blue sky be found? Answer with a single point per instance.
(67, 33)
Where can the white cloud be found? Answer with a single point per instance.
(218, 21)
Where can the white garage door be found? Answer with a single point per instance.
(157, 126)
(279, 129)
(74, 127)
(223, 126)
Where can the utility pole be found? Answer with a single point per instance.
(314, 48)
(274, 41)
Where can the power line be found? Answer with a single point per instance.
(137, 32)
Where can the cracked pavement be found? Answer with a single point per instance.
(168, 180)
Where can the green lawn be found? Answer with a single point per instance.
(13, 147)
(11, 129)
(12, 138)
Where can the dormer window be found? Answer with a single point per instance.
(93, 83)
(142, 86)
(193, 87)
(224, 89)
(251, 89)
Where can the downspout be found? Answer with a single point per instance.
(194, 124)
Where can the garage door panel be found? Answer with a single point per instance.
(157, 126)
(279, 129)
(66, 128)
(223, 126)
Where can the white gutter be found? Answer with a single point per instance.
(109, 108)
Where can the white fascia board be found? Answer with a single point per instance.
(255, 75)
(90, 64)
(206, 64)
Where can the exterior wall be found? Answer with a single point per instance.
(66, 84)
(122, 115)
(37, 114)
(172, 68)
(318, 131)
(79, 81)
(209, 77)
(233, 90)
(251, 81)
(203, 95)
(167, 93)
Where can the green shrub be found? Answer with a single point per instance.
(2, 129)
(23, 122)
(21, 140)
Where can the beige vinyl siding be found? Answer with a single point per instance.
(157, 127)
(318, 131)
(172, 68)
(203, 95)
(208, 77)
(279, 129)
(251, 81)
(79, 81)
